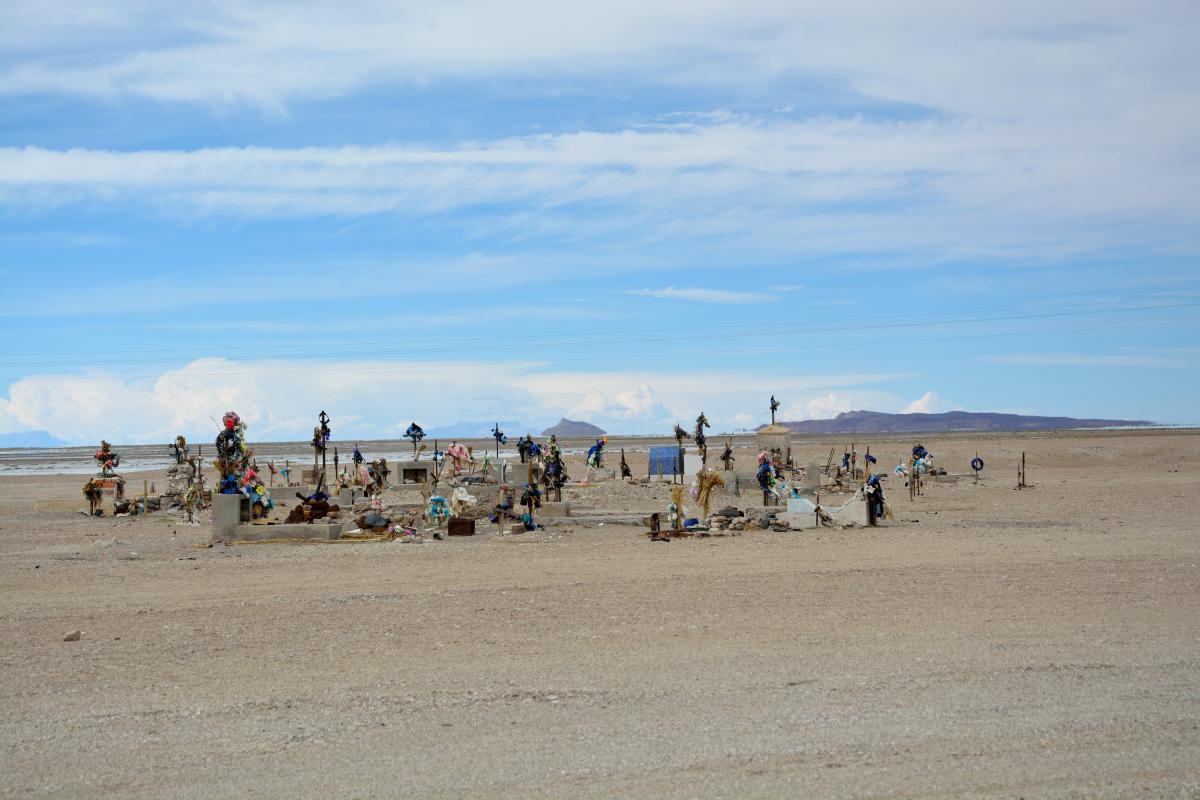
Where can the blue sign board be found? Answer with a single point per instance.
(665, 461)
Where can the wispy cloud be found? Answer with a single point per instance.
(703, 295)
(936, 184)
(1086, 360)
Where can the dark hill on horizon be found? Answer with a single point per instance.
(569, 427)
(879, 422)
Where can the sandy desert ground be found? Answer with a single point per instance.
(987, 642)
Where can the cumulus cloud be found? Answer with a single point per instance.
(279, 399)
(928, 403)
(703, 295)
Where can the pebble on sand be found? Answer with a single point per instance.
(73, 636)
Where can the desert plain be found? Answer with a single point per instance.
(986, 642)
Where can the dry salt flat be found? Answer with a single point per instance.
(987, 642)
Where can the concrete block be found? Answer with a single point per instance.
(814, 477)
(562, 509)
(228, 512)
(801, 521)
(413, 471)
(854, 511)
(731, 487)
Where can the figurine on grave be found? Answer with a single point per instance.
(701, 442)
(727, 455)
(179, 449)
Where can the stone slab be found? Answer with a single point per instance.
(255, 533)
(562, 509)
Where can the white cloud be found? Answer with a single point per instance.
(278, 399)
(938, 54)
(814, 186)
(928, 403)
(703, 295)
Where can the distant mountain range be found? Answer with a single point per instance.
(573, 428)
(878, 422)
(30, 439)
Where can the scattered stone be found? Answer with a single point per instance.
(73, 636)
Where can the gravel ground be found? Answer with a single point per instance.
(986, 643)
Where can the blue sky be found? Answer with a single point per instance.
(622, 212)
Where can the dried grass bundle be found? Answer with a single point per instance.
(706, 481)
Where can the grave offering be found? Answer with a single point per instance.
(107, 478)
(595, 453)
(179, 449)
(706, 481)
(459, 457)
(675, 509)
(416, 434)
(727, 456)
(107, 459)
(233, 467)
(438, 511)
(554, 477)
(319, 443)
(531, 499)
(500, 438)
(698, 436)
